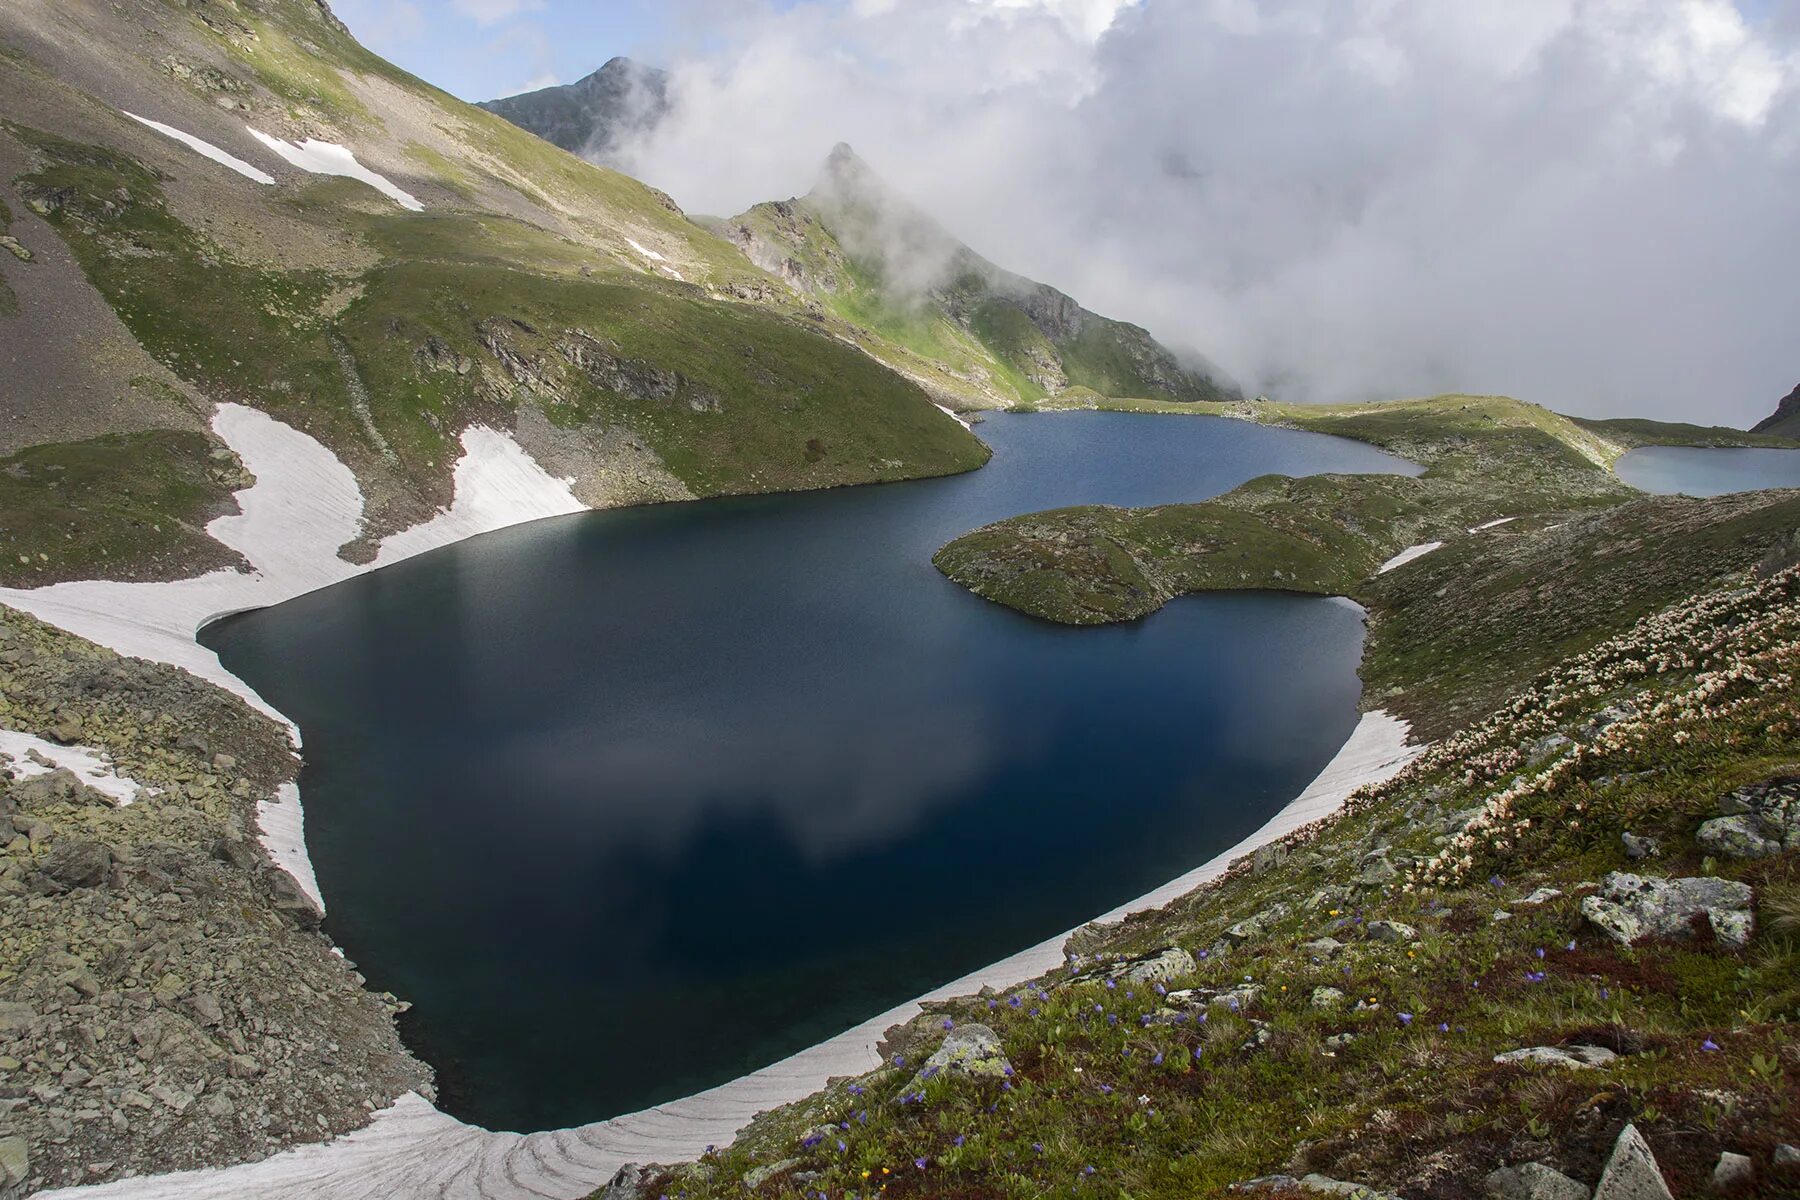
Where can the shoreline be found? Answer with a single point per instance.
(304, 504)
(413, 1150)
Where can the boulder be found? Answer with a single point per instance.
(973, 1050)
(77, 864)
(15, 1165)
(1759, 821)
(1324, 947)
(61, 786)
(1327, 997)
(1392, 931)
(1732, 1171)
(1543, 895)
(1324, 1185)
(1737, 837)
(1631, 1173)
(1167, 963)
(1256, 926)
(288, 898)
(1639, 848)
(629, 1182)
(1787, 1156)
(1578, 1058)
(1630, 907)
(1533, 1181)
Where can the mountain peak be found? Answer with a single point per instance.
(846, 172)
(1785, 419)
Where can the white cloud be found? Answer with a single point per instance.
(492, 12)
(1585, 202)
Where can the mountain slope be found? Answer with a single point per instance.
(982, 332)
(231, 200)
(591, 116)
(1785, 420)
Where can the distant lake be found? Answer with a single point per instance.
(631, 803)
(1709, 470)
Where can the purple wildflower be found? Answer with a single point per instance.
(1157, 1061)
(1709, 1045)
(957, 1140)
(949, 1024)
(1406, 1018)
(919, 1163)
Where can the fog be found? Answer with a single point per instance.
(1587, 203)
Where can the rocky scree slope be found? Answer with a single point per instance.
(1554, 957)
(166, 999)
(974, 333)
(594, 116)
(467, 274)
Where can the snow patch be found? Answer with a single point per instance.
(329, 158)
(644, 250)
(282, 824)
(91, 766)
(206, 148)
(1407, 555)
(497, 484)
(954, 416)
(1493, 524)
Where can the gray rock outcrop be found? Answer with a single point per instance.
(1755, 822)
(973, 1050)
(1631, 907)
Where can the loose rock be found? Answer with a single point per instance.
(1631, 1173)
(1579, 1058)
(1533, 1181)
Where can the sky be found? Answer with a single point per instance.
(1586, 203)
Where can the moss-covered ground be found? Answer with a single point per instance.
(124, 506)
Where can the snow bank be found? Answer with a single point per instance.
(954, 416)
(1493, 524)
(412, 1150)
(648, 253)
(90, 765)
(205, 148)
(497, 484)
(282, 823)
(304, 504)
(1407, 555)
(329, 158)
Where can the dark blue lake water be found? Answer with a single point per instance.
(1709, 471)
(631, 803)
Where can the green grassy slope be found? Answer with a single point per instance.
(534, 292)
(1485, 459)
(979, 335)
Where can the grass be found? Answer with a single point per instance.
(766, 401)
(1123, 1090)
(1580, 555)
(1633, 431)
(1484, 459)
(124, 506)
(968, 331)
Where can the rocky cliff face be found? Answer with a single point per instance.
(593, 116)
(1785, 420)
